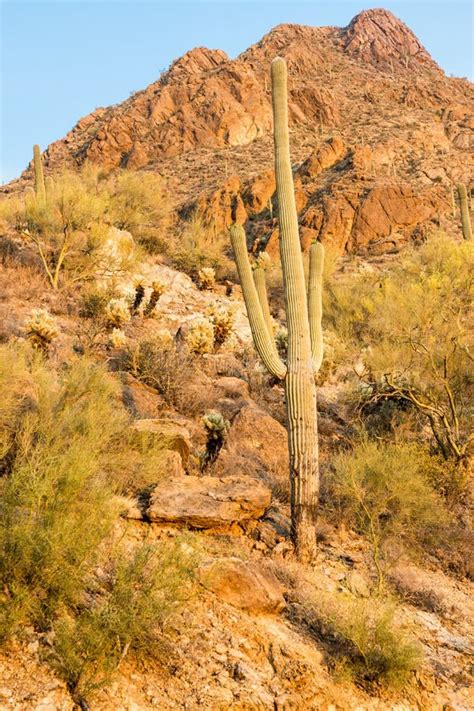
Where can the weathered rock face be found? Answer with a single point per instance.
(372, 117)
(243, 584)
(257, 444)
(377, 36)
(208, 502)
(172, 435)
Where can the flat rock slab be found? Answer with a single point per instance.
(243, 584)
(208, 502)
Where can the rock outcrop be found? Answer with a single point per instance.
(243, 584)
(208, 502)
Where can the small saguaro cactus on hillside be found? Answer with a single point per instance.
(465, 216)
(303, 313)
(40, 188)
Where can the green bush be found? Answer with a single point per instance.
(363, 638)
(385, 491)
(411, 330)
(56, 507)
(199, 247)
(139, 203)
(126, 617)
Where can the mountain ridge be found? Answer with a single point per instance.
(407, 131)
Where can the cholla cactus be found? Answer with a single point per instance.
(158, 288)
(164, 339)
(222, 319)
(117, 338)
(41, 328)
(215, 424)
(139, 294)
(117, 313)
(200, 337)
(216, 427)
(207, 278)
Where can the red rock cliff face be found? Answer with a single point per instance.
(378, 133)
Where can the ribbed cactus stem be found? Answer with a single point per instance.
(465, 216)
(299, 382)
(40, 189)
(263, 342)
(261, 286)
(315, 302)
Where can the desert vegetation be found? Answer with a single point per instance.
(204, 465)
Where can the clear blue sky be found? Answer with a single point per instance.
(60, 60)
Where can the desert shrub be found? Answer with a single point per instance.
(68, 231)
(363, 638)
(201, 246)
(158, 363)
(384, 490)
(140, 204)
(126, 617)
(138, 461)
(55, 496)
(415, 343)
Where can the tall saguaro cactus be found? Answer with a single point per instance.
(465, 216)
(40, 188)
(303, 314)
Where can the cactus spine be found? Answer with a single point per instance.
(40, 188)
(465, 216)
(298, 374)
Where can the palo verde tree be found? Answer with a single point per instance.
(303, 313)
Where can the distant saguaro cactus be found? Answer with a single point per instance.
(40, 188)
(465, 216)
(303, 313)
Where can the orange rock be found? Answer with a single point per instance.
(323, 158)
(243, 584)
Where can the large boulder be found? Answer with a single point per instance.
(243, 584)
(208, 502)
(173, 435)
(257, 444)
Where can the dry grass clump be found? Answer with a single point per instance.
(362, 638)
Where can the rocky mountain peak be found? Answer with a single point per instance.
(378, 37)
(199, 59)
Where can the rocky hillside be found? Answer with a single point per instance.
(379, 134)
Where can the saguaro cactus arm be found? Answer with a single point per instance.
(465, 216)
(263, 342)
(40, 189)
(315, 302)
(259, 269)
